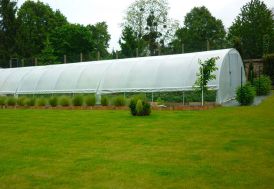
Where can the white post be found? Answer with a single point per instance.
(98, 98)
(152, 97)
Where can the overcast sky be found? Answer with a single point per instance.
(112, 11)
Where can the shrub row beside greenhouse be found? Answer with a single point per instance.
(53, 101)
(62, 101)
(79, 101)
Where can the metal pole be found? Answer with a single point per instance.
(137, 52)
(152, 97)
(65, 58)
(81, 57)
(241, 77)
(183, 48)
(183, 97)
(207, 45)
(259, 79)
(117, 55)
(241, 83)
(159, 50)
(35, 61)
(202, 85)
(10, 64)
(98, 55)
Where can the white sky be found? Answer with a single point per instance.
(112, 11)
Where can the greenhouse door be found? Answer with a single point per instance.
(235, 73)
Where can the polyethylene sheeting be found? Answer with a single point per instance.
(146, 74)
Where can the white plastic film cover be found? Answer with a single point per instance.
(146, 74)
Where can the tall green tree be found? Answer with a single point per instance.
(36, 21)
(200, 30)
(8, 27)
(150, 22)
(47, 56)
(71, 40)
(100, 38)
(129, 43)
(254, 28)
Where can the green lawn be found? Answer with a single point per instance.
(220, 148)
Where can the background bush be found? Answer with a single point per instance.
(139, 107)
(146, 108)
(30, 101)
(41, 101)
(190, 96)
(64, 101)
(78, 100)
(262, 85)
(2, 100)
(245, 94)
(132, 106)
(104, 101)
(21, 101)
(160, 101)
(53, 101)
(119, 101)
(90, 100)
(11, 101)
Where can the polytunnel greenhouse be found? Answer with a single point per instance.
(144, 74)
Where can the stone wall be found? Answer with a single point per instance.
(258, 67)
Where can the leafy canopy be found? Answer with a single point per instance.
(150, 24)
(36, 22)
(254, 30)
(100, 38)
(205, 73)
(200, 28)
(8, 26)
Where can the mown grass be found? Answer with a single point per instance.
(220, 148)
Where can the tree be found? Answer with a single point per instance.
(71, 40)
(254, 27)
(200, 29)
(36, 22)
(100, 38)
(149, 22)
(205, 74)
(8, 27)
(128, 43)
(180, 40)
(47, 56)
